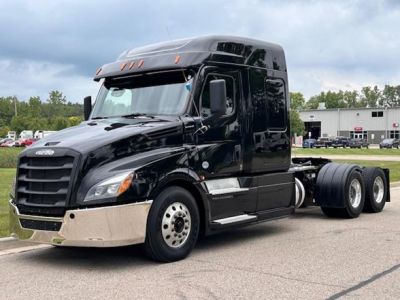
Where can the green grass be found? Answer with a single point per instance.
(347, 151)
(6, 178)
(393, 166)
(9, 157)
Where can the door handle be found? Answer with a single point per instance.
(238, 153)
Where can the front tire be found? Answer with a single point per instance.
(173, 225)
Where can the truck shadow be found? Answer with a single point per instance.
(134, 256)
(311, 212)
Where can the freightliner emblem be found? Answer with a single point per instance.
(45, 152)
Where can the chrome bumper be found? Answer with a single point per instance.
(94, 227)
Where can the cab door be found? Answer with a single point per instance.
(220, 148)
(222, 155)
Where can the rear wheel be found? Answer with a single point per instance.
(375, 189)
(340, 190)
(172, 225)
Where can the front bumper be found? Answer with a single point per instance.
(94, 227)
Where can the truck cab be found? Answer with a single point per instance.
(185, 138)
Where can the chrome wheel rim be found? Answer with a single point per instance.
(176, 225)
(355, 193)
(378, 189)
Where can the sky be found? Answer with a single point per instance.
(329, 45)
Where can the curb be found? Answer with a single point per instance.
(23, 249)
(7, 239)
(395, 184)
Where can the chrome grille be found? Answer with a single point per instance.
(43, 183)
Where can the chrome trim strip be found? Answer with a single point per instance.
(275, 184)
(235, 219)
(228, 191)
(224, 186)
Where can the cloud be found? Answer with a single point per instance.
(329, 44)
(26, 78)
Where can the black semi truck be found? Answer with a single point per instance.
(185, 138)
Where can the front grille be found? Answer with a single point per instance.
(41, 211)
(43, 183)
(40, 225)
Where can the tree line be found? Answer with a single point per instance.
(55, 113)
(367, 97)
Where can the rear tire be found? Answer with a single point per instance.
(344, 183)
(173, 225)
(375, 189)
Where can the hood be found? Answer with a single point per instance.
(92, 135)
(102, 141)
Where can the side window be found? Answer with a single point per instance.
(276, 104)
(230, 94)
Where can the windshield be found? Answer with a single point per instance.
(164, 93)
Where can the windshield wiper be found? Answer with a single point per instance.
(137, 115)
(99, 118)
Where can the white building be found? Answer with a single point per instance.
(372, 124)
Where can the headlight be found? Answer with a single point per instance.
(12, 191)
(112, 187)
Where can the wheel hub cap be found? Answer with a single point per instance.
(176, 225)
(355, 193)
(378, 189)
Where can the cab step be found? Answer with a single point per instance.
(235, 220)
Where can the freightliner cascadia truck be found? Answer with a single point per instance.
(185, 138)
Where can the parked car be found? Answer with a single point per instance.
(10, 143)
(389, 143)
(323, 142)
(27, 142)
(340, 141)
(309, 143)
(358, 143)
(3, 140)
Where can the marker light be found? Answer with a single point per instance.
(177, 59)
(141, 62)
(123, 66)
(131, 65)
(98, 71)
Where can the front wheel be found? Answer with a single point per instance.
(172, 226)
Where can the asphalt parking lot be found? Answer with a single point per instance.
(305, 257)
